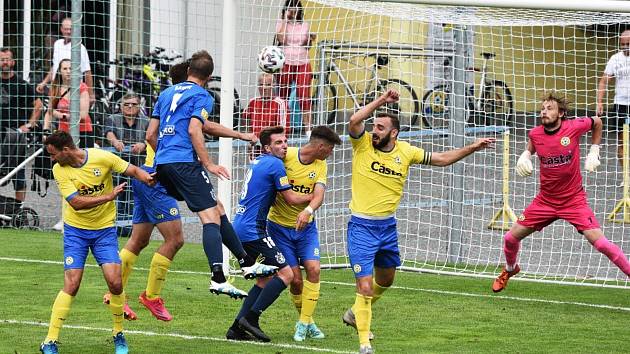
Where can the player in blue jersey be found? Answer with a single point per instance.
(182, 164)
(266, 177)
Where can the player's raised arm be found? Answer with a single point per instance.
(218, 130)
(357, 125)
(446, 158)
(592, 159)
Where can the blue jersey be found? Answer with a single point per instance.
(265, 177)
(175, 107)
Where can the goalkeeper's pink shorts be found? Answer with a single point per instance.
(576, 212)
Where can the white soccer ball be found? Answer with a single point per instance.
(271, 59)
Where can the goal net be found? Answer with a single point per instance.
(463, 72)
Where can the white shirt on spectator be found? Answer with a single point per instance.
(62, 50)
(619, 67)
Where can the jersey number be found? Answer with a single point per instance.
(269, 242)
(205, 176)
(248, 177)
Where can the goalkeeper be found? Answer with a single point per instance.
(561, 196)
(380, 164)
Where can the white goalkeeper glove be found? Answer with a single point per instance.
(524, 165)
(592, 159)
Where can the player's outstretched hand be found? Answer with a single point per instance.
(219, 171)
(251, 138)
(390, 96)
(592, 159)
(524, 165)
(118, 189)
(484, 143)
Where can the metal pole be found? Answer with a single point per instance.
(457, 126)
(76, 75)
(26, 40)
(227, 106)
(113, 29)
(574, 5)
(321, 86)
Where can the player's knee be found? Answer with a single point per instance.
(365, 288)
(115, 287)
(296, 285)
(175, 242)
(286, 274)
(312, 274)
(71, 288)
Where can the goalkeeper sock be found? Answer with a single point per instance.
(377, 291)
(233, 243)
(60, 311)
(310, 295)
(297, 301)
(511, 246)
(214, 253)
(614, 253)
(363, 316)
(157, 275)
(116, 307)
(249, 301)
(269, 294)
(127, 259)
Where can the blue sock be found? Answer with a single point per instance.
(233, 243)
(269, 294)
(249, 301)
(214, 253)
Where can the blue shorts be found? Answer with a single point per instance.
(77, 242)
(265, 250)
(296, 246)
(372, 243)
(188, 181)
(152, 204)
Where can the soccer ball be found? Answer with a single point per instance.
(271, 59)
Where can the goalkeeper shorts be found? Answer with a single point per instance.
(540, 214)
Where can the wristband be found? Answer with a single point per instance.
(309, 210)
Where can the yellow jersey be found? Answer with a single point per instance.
(148, 161)
(303, 179)
(378, 177)
(92, 179)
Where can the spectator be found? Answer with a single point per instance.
(266, 110)
(128, 129)
(62, 49)
(59, 107)
(20, 110)
(294, 36)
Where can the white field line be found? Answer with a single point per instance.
(179, 336)
(405, 288)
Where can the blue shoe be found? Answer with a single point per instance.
(313, 332)
(300, 331)
(49, 348)
(120, 344)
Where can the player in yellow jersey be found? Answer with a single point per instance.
(153, 207)
(84, 177)
(293, 227)
(380, 164)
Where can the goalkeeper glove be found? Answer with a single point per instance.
(524, 165)
(592, 159)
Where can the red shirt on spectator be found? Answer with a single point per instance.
(265, 112)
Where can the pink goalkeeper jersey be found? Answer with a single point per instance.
(559, 156)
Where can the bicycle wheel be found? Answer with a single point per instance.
(435, 114)
(408, 106)
(328, 106)
(497, 104)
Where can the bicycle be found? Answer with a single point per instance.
(407, 108)
(491, 104)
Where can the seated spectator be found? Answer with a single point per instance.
(59, 108)
(267, 109)
(20, 110)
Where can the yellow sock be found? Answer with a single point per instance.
(297, 301)
(310, 295)
(60, 311)
(116, 307)
(128, 259)
(157, 275)
(377, 291)
(363, 315)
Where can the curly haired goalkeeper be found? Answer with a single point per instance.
(561, 196)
